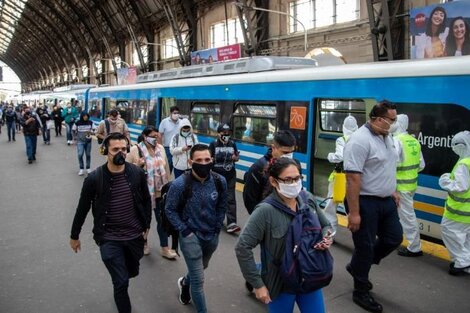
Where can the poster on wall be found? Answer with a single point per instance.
(127, 75)
(209, 56)
(440, 30)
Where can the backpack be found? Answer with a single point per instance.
(106, 124)
(303, 268)
(187, 194)
(177, 139)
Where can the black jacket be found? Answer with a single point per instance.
(99, 204)
(256, 182)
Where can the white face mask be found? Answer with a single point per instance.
(459, 149)
(290, 191)
(151, 141)
(288, 155)
(185, 134)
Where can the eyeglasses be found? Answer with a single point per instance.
(392, 119)
(290, 180)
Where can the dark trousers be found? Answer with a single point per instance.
(122, 261)
(46, 133)
(231, 201)
(58, 127)
(169, 157)
(31, 144)
(11, 130)
(379, 234)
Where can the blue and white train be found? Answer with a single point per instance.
(262, 95)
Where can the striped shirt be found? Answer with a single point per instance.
(122, 222)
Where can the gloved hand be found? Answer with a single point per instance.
(444, 180)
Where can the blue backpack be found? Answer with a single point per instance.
(303, 268)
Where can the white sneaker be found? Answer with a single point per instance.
(81, 172)
(89, 171)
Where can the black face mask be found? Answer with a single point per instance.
(202, 170)
(119, 159)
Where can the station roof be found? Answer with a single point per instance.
(40, 38)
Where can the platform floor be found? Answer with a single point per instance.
(40, 273)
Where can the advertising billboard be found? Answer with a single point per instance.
(209, 56)
(440, 30)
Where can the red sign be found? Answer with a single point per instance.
(229, 52)
(298, 117)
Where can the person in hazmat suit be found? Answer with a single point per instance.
(349, 127)
(455, 224)
(411, 163)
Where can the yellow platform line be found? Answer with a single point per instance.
(428, 247)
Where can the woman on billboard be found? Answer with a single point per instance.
(458, 41)
(436, 33)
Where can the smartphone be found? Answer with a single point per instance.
(190, 146)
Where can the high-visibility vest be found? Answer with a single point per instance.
(407, 171)
(458, 203)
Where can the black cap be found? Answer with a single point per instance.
(223, 127)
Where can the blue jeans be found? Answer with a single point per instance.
(11, 127)
(169, 157)
(197, 254)
(308, 303)
(162, 235)
(69, 131)
(31, 143)
(84, 147)
(178, 172)
(379, 234)
(46, 133)
(121, 258)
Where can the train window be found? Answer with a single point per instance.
(205, 118)
(334, 111)
(152, 114)
(133, 111)
(167, 103)
(255, 123)
(95, 109)
(108, 105)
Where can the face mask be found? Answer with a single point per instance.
(459, 149)
(288, 155)
(202, 170)
(393, 126)
(185, 134)
(290, 191)
(119, 159)
(175, 116)
(225, 138)
(151, 141)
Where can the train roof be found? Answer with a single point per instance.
(452, 66)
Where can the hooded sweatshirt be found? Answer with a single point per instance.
(83, 128)
(178, 142)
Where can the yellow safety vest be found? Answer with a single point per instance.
(407, 171)
(458, 203)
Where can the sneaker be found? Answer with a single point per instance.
(185, 295)
(88, 170)
(146, 248)
(30, 161)
(168, 254)
(233, 228)
(81, 172)
(402, 251)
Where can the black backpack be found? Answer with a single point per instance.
(187, 194)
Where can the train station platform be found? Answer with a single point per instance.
(40, 273)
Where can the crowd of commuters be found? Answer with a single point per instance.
(380, 159)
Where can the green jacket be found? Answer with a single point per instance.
(268, 227)
(70, 116)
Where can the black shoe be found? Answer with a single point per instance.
(365, 301)
(30, 161)
(185, 295)
(367, 286)
(248, 287)
(455, 271)
(402, 251)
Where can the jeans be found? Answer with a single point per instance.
(178, 172)
(121, 258)
(169, 157)
(197, 254)
(379, 234)
(46, 133)
(69, 131)
(31, 143)
(84, 147)
(308, 303)
(11, 130)
(231, 201)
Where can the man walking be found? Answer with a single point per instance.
(407, 182)
(199, 222)
(31, 129)
(118, 195)
(112, 124)
(370, 160)
(11, 119)
(169, 127)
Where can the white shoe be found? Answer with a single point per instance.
(168, 254)
(89, 171)
(81, 172)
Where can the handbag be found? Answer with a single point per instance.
(49, 124)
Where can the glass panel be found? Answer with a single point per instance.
(302, 10)
(323, 13)
(95, 110)
(333, 121)
(254, 129)
(346, 10)
(256, 110)
(167, 103)
(138, 112)
(205, 118)
(343, 105)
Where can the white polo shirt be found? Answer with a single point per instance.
(375, 157)
(168, 128)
